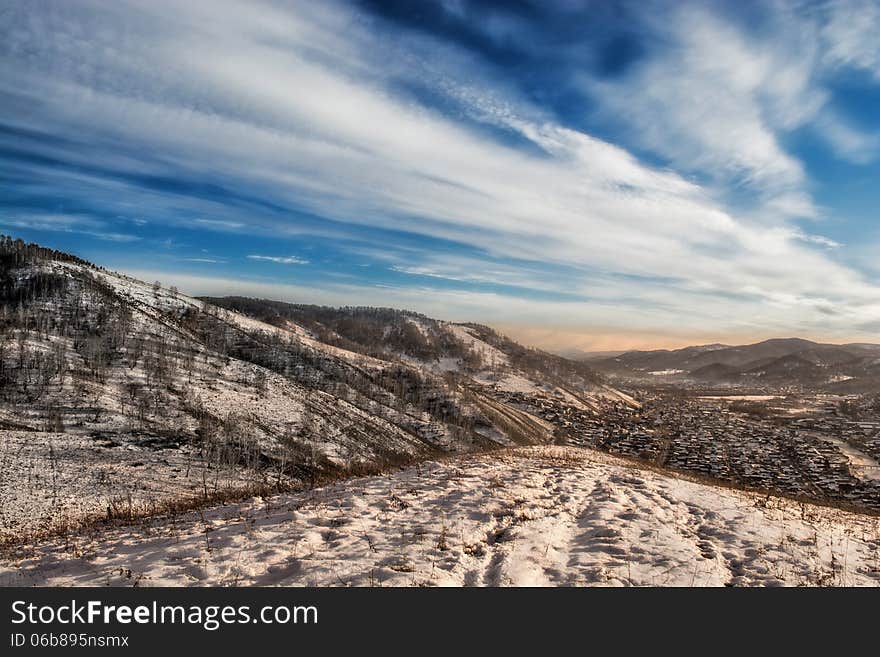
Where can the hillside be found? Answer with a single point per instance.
(390, 335)
(117, 395)
(525, 516)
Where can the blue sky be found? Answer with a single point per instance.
(580, 174)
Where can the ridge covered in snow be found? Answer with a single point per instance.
(524, 516)
(116, 392)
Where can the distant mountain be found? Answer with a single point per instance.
(716, 372)
(780, 361)
(586, 356)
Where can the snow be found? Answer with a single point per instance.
(617, 395)
(525, 516)
(738, 397)
(448, 364)
(510, 382)
(513, 381)
(148, 299)
(573, 400)
(665, 372)
(490, 355)
(861, 465)
(50, 480)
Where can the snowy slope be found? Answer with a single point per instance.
(225, 384)
(115, 388)
(491, 356)
(527, 516)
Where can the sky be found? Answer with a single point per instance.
(587, 175)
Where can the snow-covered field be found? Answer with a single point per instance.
(526, 516)
(53, 480)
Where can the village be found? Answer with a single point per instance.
(816, 454)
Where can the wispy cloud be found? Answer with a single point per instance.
(318, 124)
(220, 224)
(281, 260)
(67, 224)
(818, 239)
(715, 100)
(849, 143)
(850, 33)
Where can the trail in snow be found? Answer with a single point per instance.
(529, 516)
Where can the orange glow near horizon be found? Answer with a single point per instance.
(611, 339)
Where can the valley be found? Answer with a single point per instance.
(130, 410)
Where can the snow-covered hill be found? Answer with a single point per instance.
(524, 516)
(119, 391)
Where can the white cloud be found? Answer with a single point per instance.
(715, 100)
(281, 260)
(849, 143)
(850, 34)
(720, 99)
(818, 239)
(220, 224)
(66, 223)
(301, 105)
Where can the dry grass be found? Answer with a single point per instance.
(124, 510)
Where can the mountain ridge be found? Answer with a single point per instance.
(773, 361)
(121, 389)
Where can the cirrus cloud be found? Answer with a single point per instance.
(323, 124)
